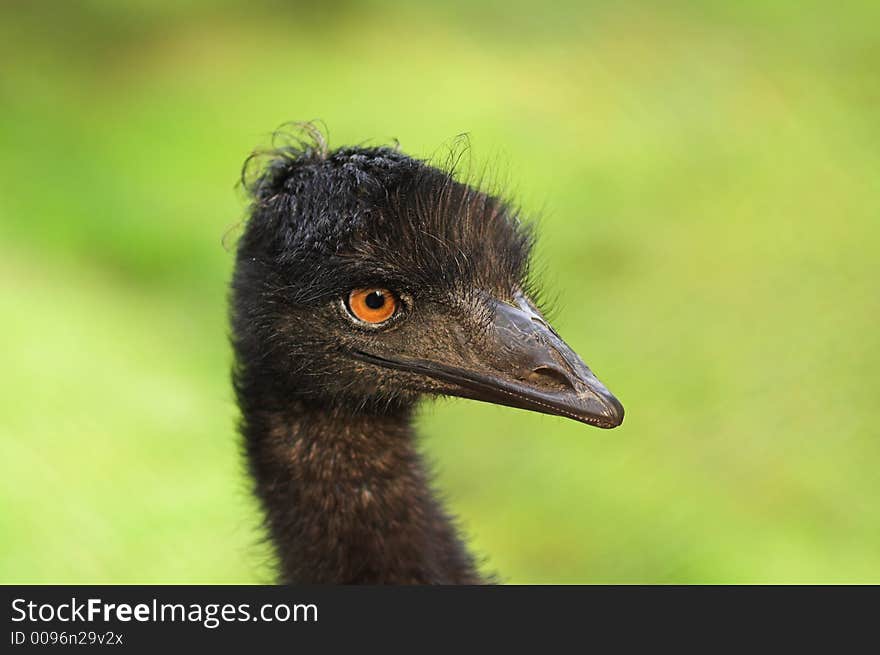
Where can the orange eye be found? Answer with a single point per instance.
(372, 305)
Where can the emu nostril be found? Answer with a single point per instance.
(550, 378)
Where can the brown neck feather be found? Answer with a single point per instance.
(347, 500)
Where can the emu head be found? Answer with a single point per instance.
(366, 279)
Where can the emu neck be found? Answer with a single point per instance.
(347, 500)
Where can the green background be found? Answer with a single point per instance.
(707, 181)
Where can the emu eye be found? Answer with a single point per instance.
(373, 305)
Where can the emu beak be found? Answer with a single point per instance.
(522, 363)
(527, 365)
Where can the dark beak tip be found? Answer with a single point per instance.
(614, 420)
(612, 413)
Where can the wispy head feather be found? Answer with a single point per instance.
(373, 214)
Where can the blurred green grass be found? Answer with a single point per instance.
(708, 184)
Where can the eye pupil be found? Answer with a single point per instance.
(375, 300)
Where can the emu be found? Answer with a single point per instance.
(365, 280)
